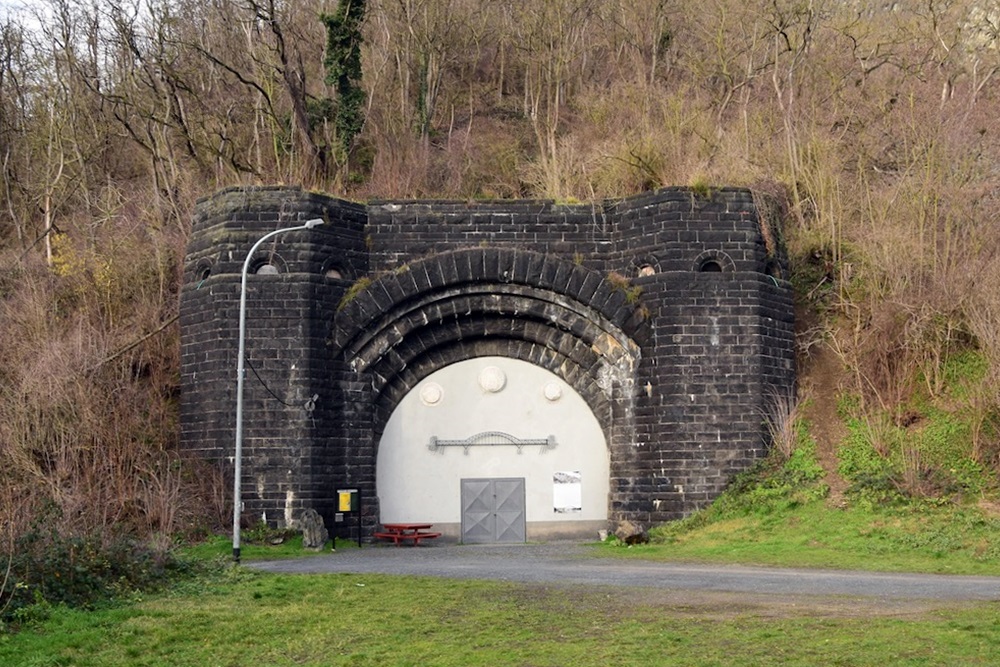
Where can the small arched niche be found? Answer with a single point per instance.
(336, 268)
(203, 270)
(714, 261)
(266, 269)
(269, 265)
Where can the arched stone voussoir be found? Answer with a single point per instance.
(372, 302)
(489, 335)
(506, 307)
(552, 313)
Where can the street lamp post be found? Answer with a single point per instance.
(240, 371)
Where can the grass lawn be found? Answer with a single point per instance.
(947, 540)
(236, 616)
(239, 617)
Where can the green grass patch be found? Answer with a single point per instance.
(220, 547)
(930, 457)
(963, 371)
(940, 443)
(777, 514)
(260, 542)
(928, 538)
(242, 618)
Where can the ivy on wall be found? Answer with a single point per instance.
(343, 67)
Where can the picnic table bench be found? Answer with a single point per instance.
(399, 532)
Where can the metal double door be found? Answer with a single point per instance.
(493, 511)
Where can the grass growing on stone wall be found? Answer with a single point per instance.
(623, 284)
(237, 617)
(359, 285)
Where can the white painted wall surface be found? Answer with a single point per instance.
(416, 484)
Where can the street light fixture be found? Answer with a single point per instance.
(240, 371)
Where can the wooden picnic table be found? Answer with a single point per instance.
(400, 532)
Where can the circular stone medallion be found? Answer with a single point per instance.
(492, 379)
(553, 392)
(431, 393)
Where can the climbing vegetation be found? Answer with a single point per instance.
(343, 68)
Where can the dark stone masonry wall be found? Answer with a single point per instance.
(668, 312)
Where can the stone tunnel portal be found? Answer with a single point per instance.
(665, 318)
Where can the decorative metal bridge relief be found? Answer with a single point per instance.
(493, 439)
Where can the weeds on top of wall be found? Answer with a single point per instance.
(623, 284)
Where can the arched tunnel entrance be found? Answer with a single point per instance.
(494, 449)
(485, 373)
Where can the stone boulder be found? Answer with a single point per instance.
(314, 532)
(631, 533)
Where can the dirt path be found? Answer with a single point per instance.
(821, 380)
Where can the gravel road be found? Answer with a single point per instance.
(570, 563)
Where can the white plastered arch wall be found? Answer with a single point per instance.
(418, 483)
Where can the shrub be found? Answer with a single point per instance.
(782, 419)
(47, 568)
(261, 533)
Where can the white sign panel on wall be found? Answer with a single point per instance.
(567, 492)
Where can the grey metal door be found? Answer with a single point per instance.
(493, 511)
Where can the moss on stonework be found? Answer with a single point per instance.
(352, 292)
